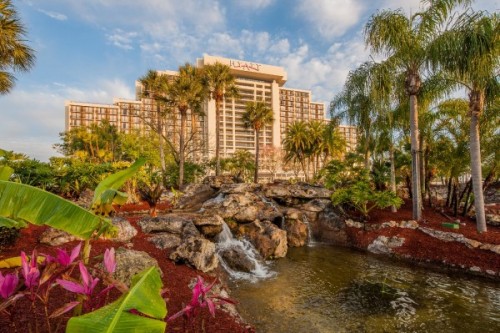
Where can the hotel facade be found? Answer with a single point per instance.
(255, 82)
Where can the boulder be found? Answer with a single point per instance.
(195, 195)
(239, 188)
(493, 219)
(385, 245)
(130, 262)
(296, 229)
(165, 240)
(216, 182)
(268, 239)
(171, 223)
(209, 225)
(243, 207)
(55, 237)
(125, 230)
(236, 259)
(294, 193)
(330, 226)
(198, 252)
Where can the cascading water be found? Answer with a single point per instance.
(275, 207)
(310, 238)
(225, 241)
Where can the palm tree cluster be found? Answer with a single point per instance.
(183, 96)
(311, 144)
(444, 48)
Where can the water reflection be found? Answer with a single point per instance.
(325, 289)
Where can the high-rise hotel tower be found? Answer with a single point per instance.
(256, 82)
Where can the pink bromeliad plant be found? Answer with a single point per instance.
(202, 297)
(40, 277)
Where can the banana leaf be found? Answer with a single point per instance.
(106, 193)
(143, 296)
(5, 172)
(39, 207)
(10, 223)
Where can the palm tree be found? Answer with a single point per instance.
(221, 84)
(15, 55)
(155, 87)
(405, 41)
(316, 130)
(257, 116)
(469, 54)
(185, 93)
(297, 143)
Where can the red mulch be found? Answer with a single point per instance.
(176, 279)
(420, 247)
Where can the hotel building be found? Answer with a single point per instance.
(256, 82)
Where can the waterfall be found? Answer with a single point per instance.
(310, 238)
(226, 241)
(275, 207)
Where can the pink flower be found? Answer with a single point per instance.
(8, 284)
(66, 259)
(30, 270)
(109, 260)
(86, 288)
(201, 299)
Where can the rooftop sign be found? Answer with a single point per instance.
(244, 65)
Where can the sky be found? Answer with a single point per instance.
(94, 50)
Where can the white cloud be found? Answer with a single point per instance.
(255, 4)
(54, 15)
(331, 18)
(37, 115)
(122, 39)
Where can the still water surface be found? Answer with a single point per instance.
(329, 289)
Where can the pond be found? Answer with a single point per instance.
(328, 289)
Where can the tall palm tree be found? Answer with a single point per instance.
(185, 93)
(221, 84)
(469, 53)
(316, 130)
(15, 54)
(155, 87)
(257, 115)
(297, 143)
(405, 42)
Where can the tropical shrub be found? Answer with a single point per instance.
(362, 197)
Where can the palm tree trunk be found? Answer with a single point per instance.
(393, 174)
(182, 148)
(475, 154)
(160, 140)
(257, 151)
(194, 132)
(415, 150)
(423, 169)
(217, 137)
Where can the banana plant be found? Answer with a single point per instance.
(21, 203)
(118, 317)
(106, 193)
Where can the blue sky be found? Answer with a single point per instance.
(94, 50)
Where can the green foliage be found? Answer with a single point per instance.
(106, 193)
(363, 198)
(241, 165)
(338, 174)
(192, 171)
(27, 203)
(98, 143)
(143, 296)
